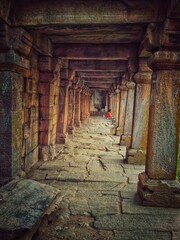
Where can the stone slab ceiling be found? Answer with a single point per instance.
(94, 35)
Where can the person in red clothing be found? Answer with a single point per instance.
(108, 114)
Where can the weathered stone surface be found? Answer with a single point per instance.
(136, 156)
(141, 235)
(162, 193)
(138, 222)
(161, 154)
(31, 199)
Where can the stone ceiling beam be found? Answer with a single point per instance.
(33, 12)
(102, 80)
(82, 65)
(99, 74)
(96, 51)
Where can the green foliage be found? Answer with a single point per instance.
(178, 163)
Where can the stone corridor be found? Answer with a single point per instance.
(66, 172)
(98, 197)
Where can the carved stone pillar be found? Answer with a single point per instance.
(78, 107)
(122, 112)
(137, 153)
(15, 47)
(63, 111)
(158, 185)
(126, 137)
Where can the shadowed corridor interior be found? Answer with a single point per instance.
(67, 172)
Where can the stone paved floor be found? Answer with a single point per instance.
(98, 192)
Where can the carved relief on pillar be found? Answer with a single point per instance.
(158, 185)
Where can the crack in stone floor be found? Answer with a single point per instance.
(98, 199)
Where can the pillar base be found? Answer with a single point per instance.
(62, 138)
(125, 140)
(71, 130)
(158, 193)
(113, 130)
(136, 156)
(77, 123)
(47, 152)
(119, 131)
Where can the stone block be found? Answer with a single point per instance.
(44, 113)
(119, 131)
(44, 138)
(113, 130)
(44, 88)
(44, 63)
(161, 193)
(5, 121)
(44, 101)
(31, 158)
(35, 100)
(32, 200)
(34, 88)
(27, 100)
(45, 125)
(136, 156)
(142, 235)
(44, 153)
(125, 140)
(137, 222)
(46, 77)
(6, 166)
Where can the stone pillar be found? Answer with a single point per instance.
(63, 111)
(72, 107)
(137, 153)
(78, 106)
(110, 101)
(117, 108)
(49, 82)
(14, 50)
(122, 112)
(158, 185)
(126, 137)
(83, 104)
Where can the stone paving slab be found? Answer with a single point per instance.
(133, 206)
(97, 192)
(138, 222)
(100, 186)
(142, 235)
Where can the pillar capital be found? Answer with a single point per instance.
(117, 90)
(130, 85)
(164, 60)
(143, 77)
(66, 83)
(16, 39)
